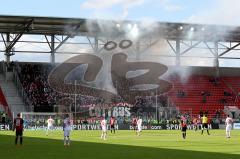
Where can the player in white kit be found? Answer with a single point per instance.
(104, 128)
(50, 122)
(67, 130)
(139, 126)
(228, 122)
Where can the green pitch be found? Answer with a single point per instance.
(164, 144)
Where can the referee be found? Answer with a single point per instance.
(205, 124)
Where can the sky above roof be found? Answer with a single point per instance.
(191, 11)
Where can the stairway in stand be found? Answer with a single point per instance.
(12, 96)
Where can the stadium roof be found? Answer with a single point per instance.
(74, 26)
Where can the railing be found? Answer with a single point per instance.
(21, 90)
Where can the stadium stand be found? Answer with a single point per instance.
(196, 93)
(33, 78)
(202, 94)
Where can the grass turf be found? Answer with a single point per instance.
(163, 144)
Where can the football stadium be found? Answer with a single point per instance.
(94, 88)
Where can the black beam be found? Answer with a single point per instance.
(229, 49)
(61, 43)
(14, 41)
(191, 47)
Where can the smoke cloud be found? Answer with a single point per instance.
(160, 51)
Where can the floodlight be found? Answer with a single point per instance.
(181, 28)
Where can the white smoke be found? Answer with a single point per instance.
(148, 26)
(223, 12)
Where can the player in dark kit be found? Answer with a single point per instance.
(184, 129)
(134, 124)
(18, 125)
(112, 124)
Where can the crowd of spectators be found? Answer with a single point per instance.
(34, 81)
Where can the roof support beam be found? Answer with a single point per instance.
(25, 29)
(52, 45)
(216, 59)
(72, 33)
(48, 42)
(174, 50)
(213, 52)
(61, 43)
(96, 44)
(93, 47)
(7, 54)
(229, 49)
(149, 46)
(52, 58)
(138, 50)
(178, 52)
(191, 47)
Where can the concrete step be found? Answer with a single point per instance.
(12, 96)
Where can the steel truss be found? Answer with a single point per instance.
(178, 42)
